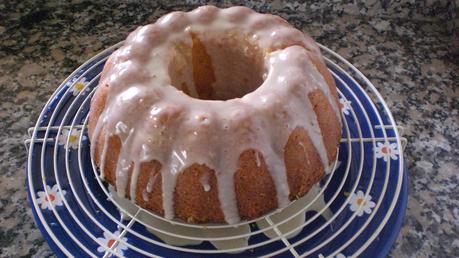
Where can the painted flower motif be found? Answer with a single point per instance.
(340, 255)
(361, 203)
(72, 137)
(345, 105)
(54, 197)
(109, 240)
(79, 86)
(387, 150)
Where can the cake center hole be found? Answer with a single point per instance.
(219, 66)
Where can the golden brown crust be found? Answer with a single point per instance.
(203, 73)
(154, 199)
(192, 203)
(328, 122)
(255, 190)
(302, 162)
(318, 61)
(97, 107)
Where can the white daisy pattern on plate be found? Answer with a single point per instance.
(79, 86)
(386, 150)
(109, 240)
(361, 203)
(72, 137)
(54, 197)
(345, 105)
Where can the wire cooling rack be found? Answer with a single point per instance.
(356, 210)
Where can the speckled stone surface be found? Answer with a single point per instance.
(408, 49)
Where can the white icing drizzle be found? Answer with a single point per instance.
(149, 188)
(134, 179)
(155, 121)
(304, 149)
(226, 192)
(204, 180)
(151, 182)
(104, 156)
(123, 165)
(257, 159)
(145, 195)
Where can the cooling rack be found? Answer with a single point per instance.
(356, 210)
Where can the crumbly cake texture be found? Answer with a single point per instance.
(215, 115)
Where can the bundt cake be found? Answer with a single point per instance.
(215, 115)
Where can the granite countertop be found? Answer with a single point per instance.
(408, 49)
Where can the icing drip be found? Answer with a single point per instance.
(204, 180)
(156, 120)
(304, 148)
(168, 187)
(103, 157)
(149, 188)
(145, 195)
(257, 159)
(227, 195)
(134, 179)
(151, 182)
(123, 165)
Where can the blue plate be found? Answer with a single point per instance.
(366, 194)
